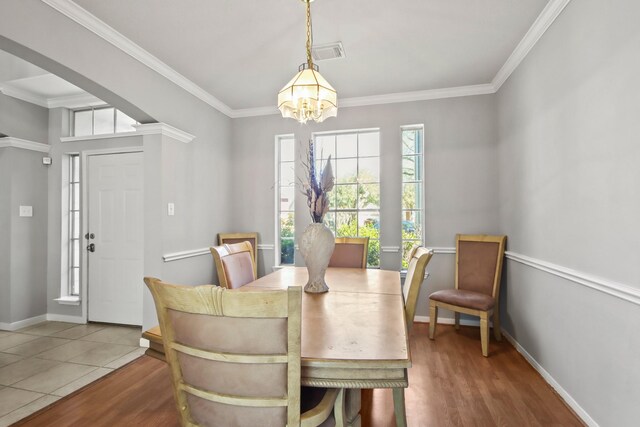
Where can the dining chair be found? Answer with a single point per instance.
(234, 356)
(232, 238)
(235, 264)
(350, 252)
(418, 259)
(477, 285)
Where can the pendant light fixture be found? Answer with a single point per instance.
(308, 96)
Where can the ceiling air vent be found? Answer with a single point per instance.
(328, 51)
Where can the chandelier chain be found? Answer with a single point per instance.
(309, 34)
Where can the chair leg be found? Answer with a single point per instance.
(484, 333)
(433, 318)
(456, 317)
(496, 324)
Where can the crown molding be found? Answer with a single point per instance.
(420, 95)
(164, 129)
(9, 141)
(23, 95)
(108, 33)
(537, 29)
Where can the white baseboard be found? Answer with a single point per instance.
(65, 318)
(584, 416)
(144, 342)
(22, 323)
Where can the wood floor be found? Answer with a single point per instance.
(451, 384)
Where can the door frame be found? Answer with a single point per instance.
(84, 217)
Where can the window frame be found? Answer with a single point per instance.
(421, 210)
(278, 198)
(357, 210)
(72, 119)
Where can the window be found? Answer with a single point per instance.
(285, 198)
(355, 200)
(101, 121)
(412, 189)
(74, 225)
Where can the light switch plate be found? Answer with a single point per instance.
(26, 210)
(171, 209)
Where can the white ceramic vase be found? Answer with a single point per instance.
(316, 247)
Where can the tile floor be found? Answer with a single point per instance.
(42, 363)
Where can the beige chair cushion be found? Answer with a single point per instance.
(464, 298)
(238, 269)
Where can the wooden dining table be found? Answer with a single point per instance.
(353, 337)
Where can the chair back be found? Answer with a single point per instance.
(234, 264)
(234, 356)
(419, 257)
(479, 263)
(350, 252)
(232, 238)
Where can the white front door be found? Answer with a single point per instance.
(115, 267)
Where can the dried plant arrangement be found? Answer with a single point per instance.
(316, 187)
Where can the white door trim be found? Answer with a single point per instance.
(84, 161)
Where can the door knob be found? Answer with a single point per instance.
(91, 247)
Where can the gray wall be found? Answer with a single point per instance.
(570, 195)
(22, 240)
(23, 247)
(28, 235)
(5, 235)
(23, 120)
(460, 164)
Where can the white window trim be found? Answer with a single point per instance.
(65, 296)
(403, 128)
(277, 255)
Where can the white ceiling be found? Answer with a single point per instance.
(243, 52)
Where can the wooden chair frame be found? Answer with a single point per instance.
(423, 256)
(364, 241)
(219, 252)
(483, 315)
(216, 301)
(229, 238)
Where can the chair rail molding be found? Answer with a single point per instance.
(9, 141)
(619, 290)
(175, 256)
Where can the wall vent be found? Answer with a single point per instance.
(328, 51)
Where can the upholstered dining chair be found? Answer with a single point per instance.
(418, 258)
(350, 252)
(233, 238)
(477, 285)
(235, 264)
(234, 356)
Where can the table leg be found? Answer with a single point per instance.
(398, 406)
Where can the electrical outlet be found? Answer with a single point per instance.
(171, 209)
(26, 210)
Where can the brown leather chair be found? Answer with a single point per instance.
(350, 252)
(235, 264)
(234, 356)
(477, 285)
(419, 257)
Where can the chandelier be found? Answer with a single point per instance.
(308, 95)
